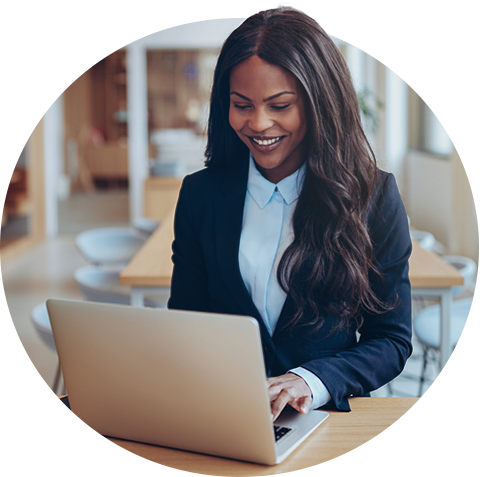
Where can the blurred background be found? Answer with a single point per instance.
(112, 150)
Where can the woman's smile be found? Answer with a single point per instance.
(268, 114)
(265, 145)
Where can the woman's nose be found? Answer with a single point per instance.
(260, 121)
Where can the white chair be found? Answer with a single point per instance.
(41, 322)
(145, 225)
(425, 239)
(466, 266)
(109, 245)
(426, 326)
(102, 285)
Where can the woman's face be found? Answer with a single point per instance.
(267, 111)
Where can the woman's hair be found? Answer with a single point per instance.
(328, 266)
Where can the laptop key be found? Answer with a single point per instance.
(280, 432)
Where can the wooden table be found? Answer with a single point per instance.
(151, 270)
(339, 434)
(152, 265)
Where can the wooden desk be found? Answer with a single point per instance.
(152, 265)
(429, 275)
(161, 195)
(339, 434)
(428, 270)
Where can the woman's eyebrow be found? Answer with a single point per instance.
(266, 99)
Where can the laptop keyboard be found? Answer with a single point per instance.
(280, 432)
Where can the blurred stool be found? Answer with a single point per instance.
(110, 245)
(41, 323)
(426, 326)
(145, 225)
(425, 239)
(102, 285)
(466, 266)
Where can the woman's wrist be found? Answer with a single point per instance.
(320, 394)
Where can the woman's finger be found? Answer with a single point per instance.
(279, 403)
(289, 389)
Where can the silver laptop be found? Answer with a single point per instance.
(191, 381)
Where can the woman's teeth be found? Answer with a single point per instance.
(266, 142)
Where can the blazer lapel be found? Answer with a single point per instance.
(228, 228)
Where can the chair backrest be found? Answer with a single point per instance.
(427, 323)
(101, 285)
(109, 245)
(145, 225)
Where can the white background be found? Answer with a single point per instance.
(45, 45)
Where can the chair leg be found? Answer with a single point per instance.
(424, 368)
(57, 378)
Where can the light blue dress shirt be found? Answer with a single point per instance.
(266, 232)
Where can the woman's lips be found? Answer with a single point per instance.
(265, 147)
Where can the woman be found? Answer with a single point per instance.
(292, 223)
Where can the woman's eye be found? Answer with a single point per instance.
(279, 108)
(241, 106)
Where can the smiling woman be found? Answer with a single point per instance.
(292, 222)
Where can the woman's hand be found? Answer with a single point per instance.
(289, 389)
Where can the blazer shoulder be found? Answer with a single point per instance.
(388, 221)
(203, 184)
(386, 193)
(215, 182)
(205, 176)
(384, 180)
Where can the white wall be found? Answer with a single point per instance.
(464, 214)
(429, 195)
(439, 200)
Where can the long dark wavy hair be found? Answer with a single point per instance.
(328, 267)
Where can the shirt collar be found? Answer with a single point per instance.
(262, 190)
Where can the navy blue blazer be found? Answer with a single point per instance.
(206, 277)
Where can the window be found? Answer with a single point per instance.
(426, 133)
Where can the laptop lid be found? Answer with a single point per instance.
(192, 381)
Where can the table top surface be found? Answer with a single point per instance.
(428, 270)
(339, 434)
(152, 265)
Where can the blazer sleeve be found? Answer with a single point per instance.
(189, 279)
(385, 338)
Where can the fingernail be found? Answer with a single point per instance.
(272, 417)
